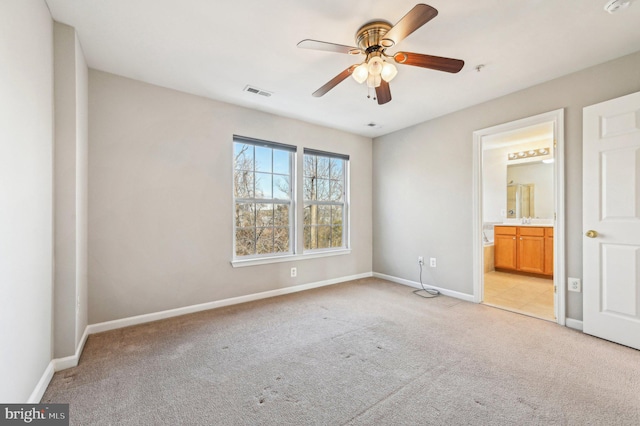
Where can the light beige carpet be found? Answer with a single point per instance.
(368, 352)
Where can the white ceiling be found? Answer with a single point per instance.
(214, 48)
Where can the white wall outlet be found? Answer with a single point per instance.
(294, 272)
(432, 262)
(574, 284)
(420, 260)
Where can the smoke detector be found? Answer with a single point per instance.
(614, 6)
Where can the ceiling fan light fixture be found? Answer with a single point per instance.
(374, 81)
(389, 71)
(361, 73)
(375, 65)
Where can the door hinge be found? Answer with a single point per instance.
(554, 289)
(555, 143)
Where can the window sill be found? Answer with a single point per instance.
(288, 258)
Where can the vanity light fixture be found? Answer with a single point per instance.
(528, 154)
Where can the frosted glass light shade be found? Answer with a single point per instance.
(373, 81)
(389, 71)
(361, 73)
(375, 65)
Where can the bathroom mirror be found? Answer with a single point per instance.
(520, 200)
(530, 190)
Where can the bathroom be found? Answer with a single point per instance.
(518, 194)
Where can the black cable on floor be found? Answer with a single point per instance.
(430, 292)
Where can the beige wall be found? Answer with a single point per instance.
(26, 229)
(423, 180)
(160, 199)
(70, 176)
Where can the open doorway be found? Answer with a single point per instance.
(518, 216)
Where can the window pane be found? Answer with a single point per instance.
(310, 237)
(264, 160)
(264, 240)
(337, 169)
(243, 156)
(281, 215)
(264, 214)
(245, 216)
(243, 184)
(336, 215)
(245, 239)
(336, 236)
(324, 215)
(324, 236)
(322, 190)
(264, 185)
(262, 173)
(310, 189)
(281, 162)
(309, 165)
(309, 212)
(324, 182)
(281, 240)
(323, 167)
(336, 190)
(281, 187)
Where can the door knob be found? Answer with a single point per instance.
(591, 233)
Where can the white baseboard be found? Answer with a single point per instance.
(573, 323)
(414, 284)
(141, 319)
(41, 387)
(72, 360)
(54, 366)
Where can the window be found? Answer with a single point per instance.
(325, 195)
(263, 198)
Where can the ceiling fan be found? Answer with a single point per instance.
(373, 39)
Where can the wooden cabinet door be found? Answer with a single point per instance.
(531, 254)
(548, 251)
(505, 251)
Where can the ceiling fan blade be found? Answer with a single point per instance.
(417, 17)
(334, 81)
(427, 61)
(328, 47)
(383, 93)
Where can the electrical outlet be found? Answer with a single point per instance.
(574, 284)
(294, 272)
(420, 260)
(432, 262)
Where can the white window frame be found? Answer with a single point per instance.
(344, 203)
(292, 150)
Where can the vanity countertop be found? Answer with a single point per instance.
(545, 225)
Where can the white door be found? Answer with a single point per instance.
(611, 220)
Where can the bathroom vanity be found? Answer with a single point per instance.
(524, 248)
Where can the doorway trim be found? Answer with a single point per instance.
(557, 117)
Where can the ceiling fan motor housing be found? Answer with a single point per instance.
(370, 36)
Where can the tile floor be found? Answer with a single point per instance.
(519, 293)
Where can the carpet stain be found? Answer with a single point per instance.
(528, 404)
